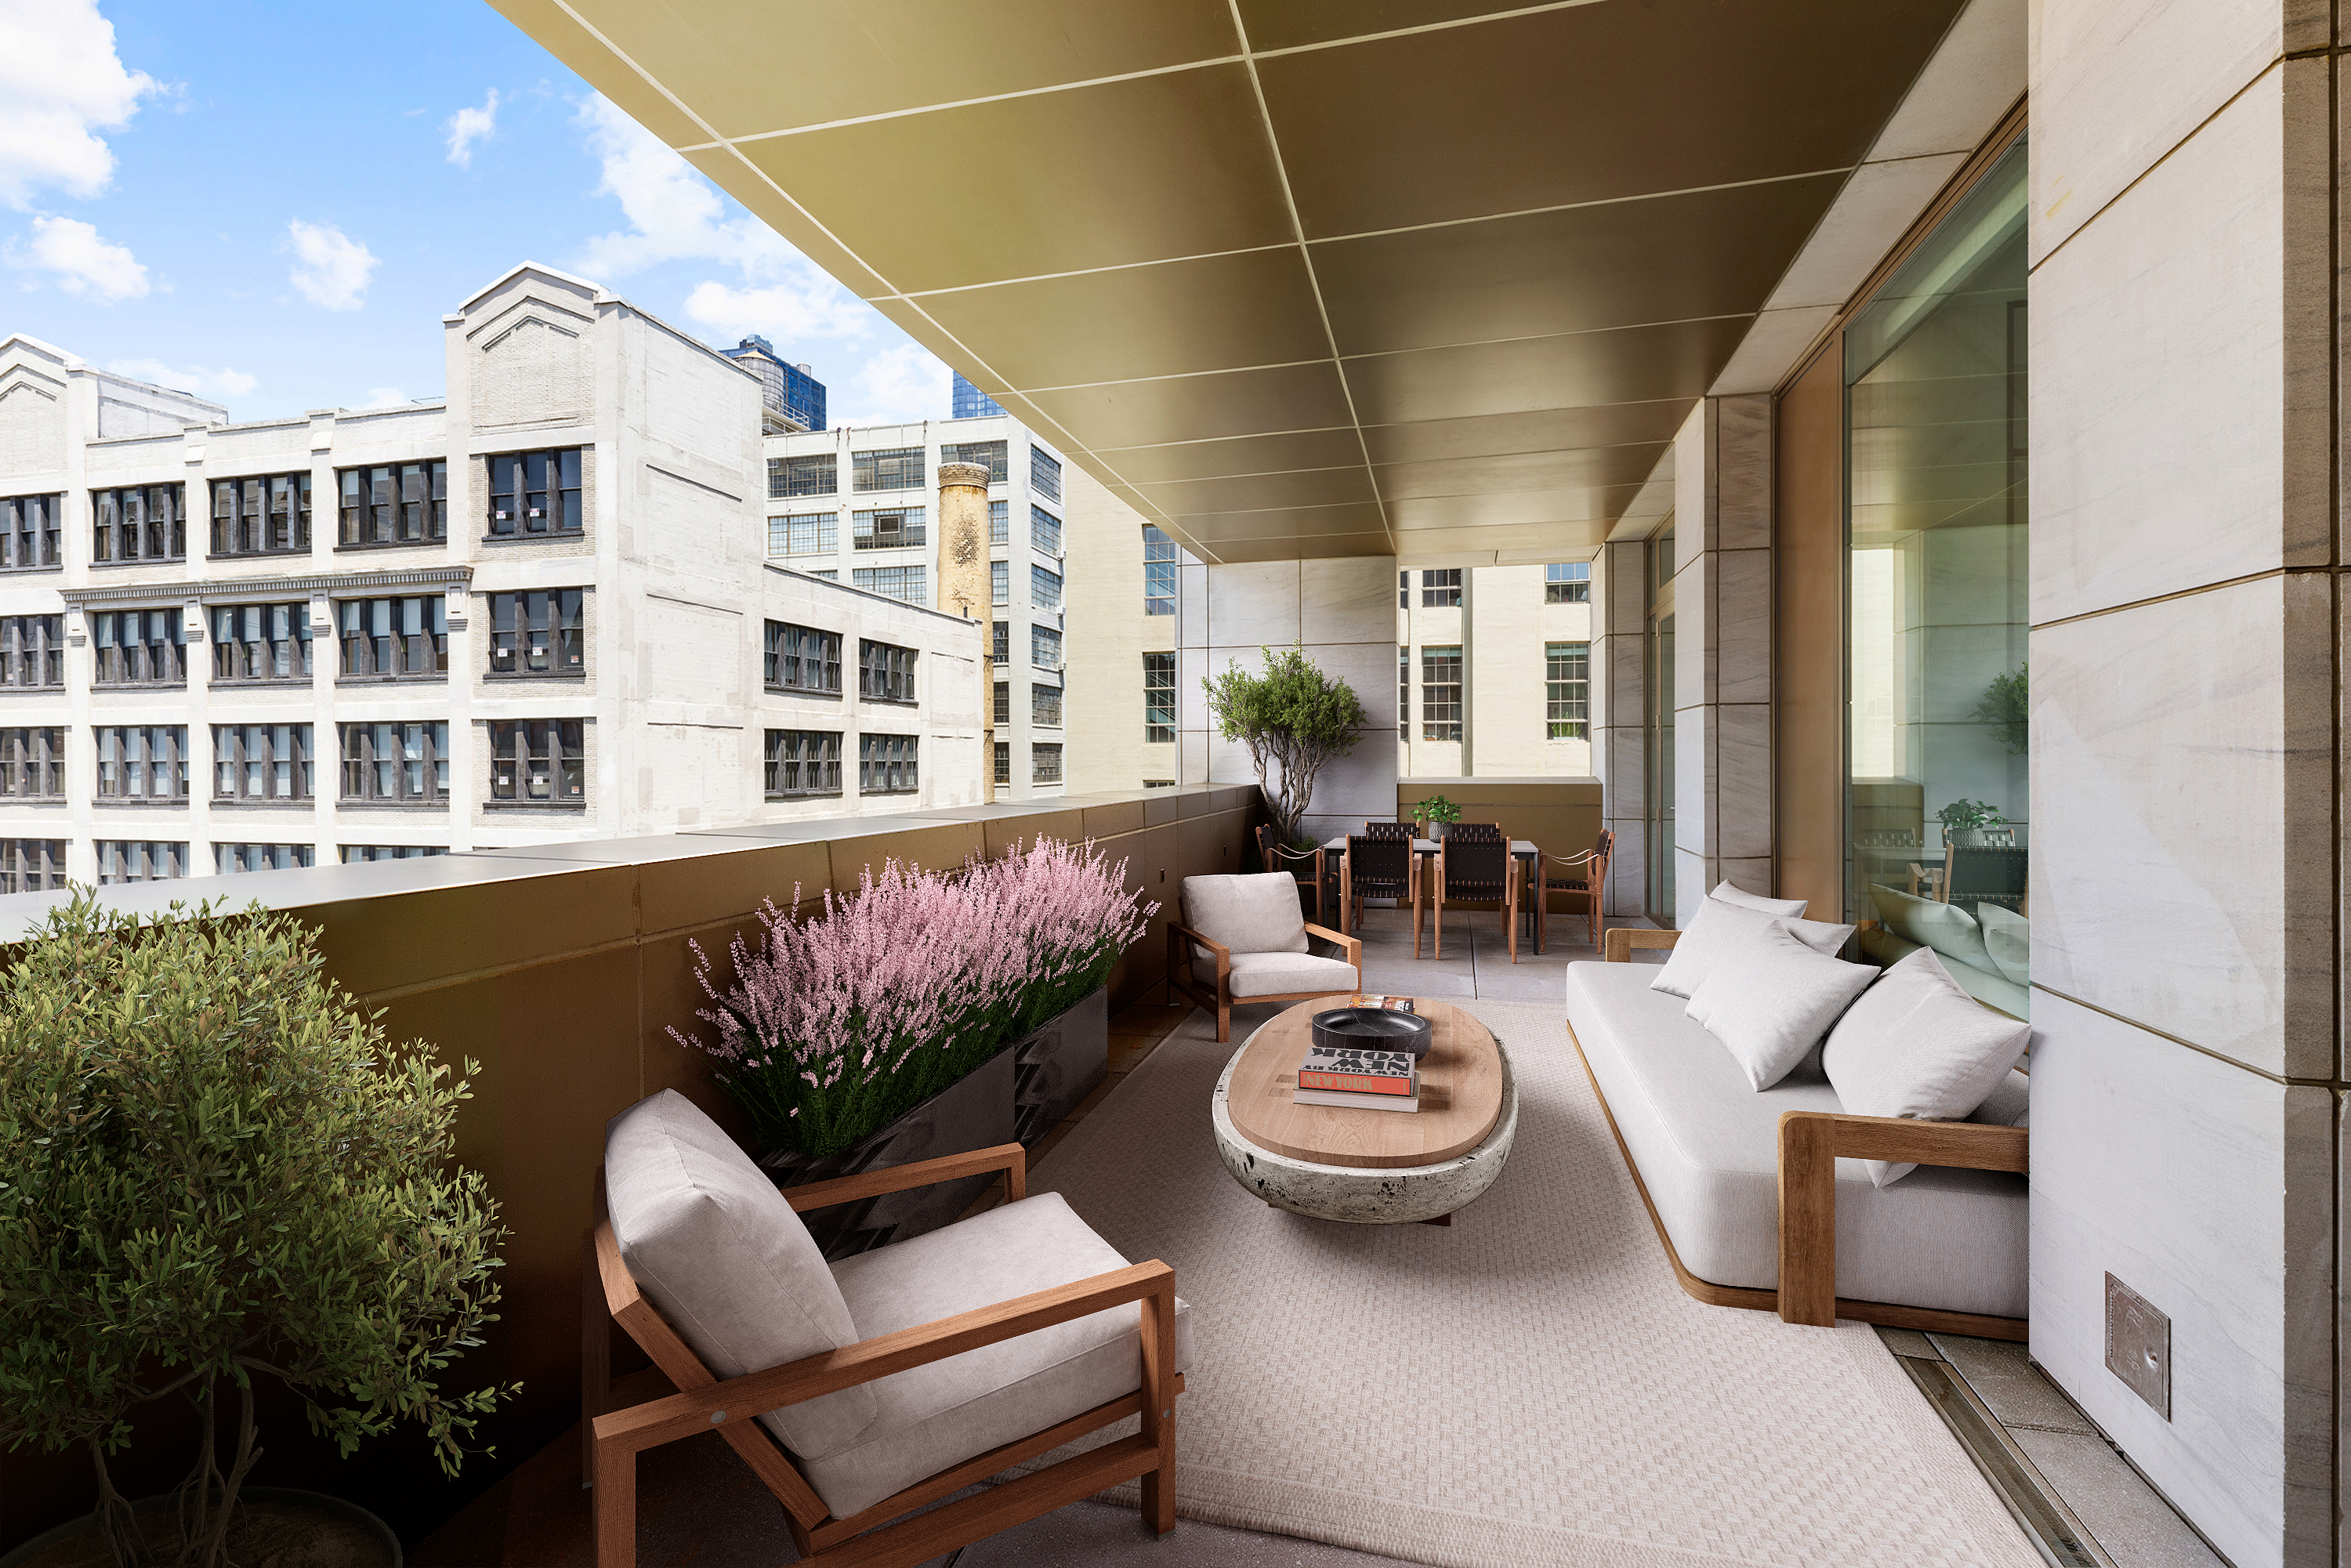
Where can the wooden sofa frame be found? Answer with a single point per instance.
(611, 1439)
(1811, 1143)
(1181, 980)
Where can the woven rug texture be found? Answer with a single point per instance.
(1528, 1386)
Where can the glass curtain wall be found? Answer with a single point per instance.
(1658, 724)
(1936, 794)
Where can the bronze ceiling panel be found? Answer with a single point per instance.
(1519, 471)
(1293, 522)
(1586, 104)
(1628, 365)
(1293, 24)
(1541, 430)
(1303, 449)
(1260, 492)
(1308, 547)
(1562, 505)
(1619, 263)
(1573, 541)
(1196, 408)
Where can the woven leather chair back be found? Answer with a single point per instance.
(1389, 830)
(1476, 832)
(1270, 857)
(1986, 874)
(1379, 868)
(1476, 867)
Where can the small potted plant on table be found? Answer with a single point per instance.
(1965, 822)
(1436, 814)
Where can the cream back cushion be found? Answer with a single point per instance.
(1247, 913)
(1716, 928)
(1746, 900)
(1769, 999)
(1917, 1045)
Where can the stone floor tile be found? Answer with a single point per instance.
(2014, 1390)
(1909, 1342)
(2130, 1522)
(1501, 982)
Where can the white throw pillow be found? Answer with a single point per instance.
(1746, 900)
(1916, 1045)
(1716, 928)
(1771, 998)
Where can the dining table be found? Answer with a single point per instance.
(1523, 851)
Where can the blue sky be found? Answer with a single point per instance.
(274, 204)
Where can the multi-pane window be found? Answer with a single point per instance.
(396, 764)
(542, 761)
(803, 762)
(540, 632)
(266, 515)
(1440, 693)
(135, 859)
(32, 651)
(536, 493)
(999, 522)
(1000, 645)
(1441, 589)
(1159, 699)
(1004, 762)
(261, 762)
(33, 764)
(804, 533)
(999, 581)
(385, 639)
(885, 672)
(1044, 474)
(803, 659)
(1567, 690)
(1003, 704)
(1044, 530)
(894, 529)
(1404, 590)
(140, 522)
(990, 453)
(1045, 706)
(828, 574)
(29, 527)
(394, 504)
(1044, 588)
(361, 854)
(1404, 690)
(142, 761)
(1045, 764)
(885, 764)
(898, 469)
(230, 859)
(911, 583)
(815, 474)
(1158, 572)
(32, 866)
(1045, 647)
(261, 642)
(138, 647)
(1568, 582)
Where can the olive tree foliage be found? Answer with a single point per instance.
(1294, 719)
(215, 1168)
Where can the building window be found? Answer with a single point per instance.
(1440, 693)
(898, 469)
(1159, 699)
(542, 632)
(1044, 588)
(815, 474)
(999, 583)
(802, 659)
(394, 504)
(1403, 691)
(888, 530)
(1003, 704)
(1441, 588)
(1044, 647)
(32, 866)
(140, 522)
(804, 533)
(885, 764)
(32, 651)
(1045, 706)
(885, 672)
(135, 859)
(1158, 572)
(230, 859)
(830, 574)
(969, 402)
(33, 764)
(1568, 583)
(990, 453)
(999, 522)
(142, 762)
(29, 527)
(363, 854)
(1567, 690)
(1404, 590)
(1045, 764)
(1004, 762)
(261, 643)
(536, 493)
(1044, 530)
(396, 764)
(540, 761)
(261, 762)
(386, 639)
(268, 515)
(803, 762)
(1044, 474)
(911, 583)
(1159, 783)
(1000, 645)
(138, 647)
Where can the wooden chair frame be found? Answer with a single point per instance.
(611, 1439)
(1595, 878)
(1512, 875)
(1810, 1143)
(1282, 857)
(1180, 978)
(1351, 908)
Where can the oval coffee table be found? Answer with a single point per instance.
(1368, 1167)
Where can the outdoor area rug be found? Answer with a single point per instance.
(1528, 1386)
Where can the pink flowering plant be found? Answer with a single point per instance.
(842, 1021)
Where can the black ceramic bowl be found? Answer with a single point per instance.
(1372, 1029)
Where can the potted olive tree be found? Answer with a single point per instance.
(1294, 719)
(216, 1169)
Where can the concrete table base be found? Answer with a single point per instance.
(1360, 1194)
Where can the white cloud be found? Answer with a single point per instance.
(78, 261)
(812, 306)
(60, 83)
(386, 397)
(896, 386)
(469, 126)
(331, 268)
(220, 382)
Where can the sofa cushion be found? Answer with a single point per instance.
(1745, 900)
(1917, 1045)
(1947, 928)
(714, 1246)
(1770, 999)
(1706, 1148)
(1247, 913)
(2008, 939)
(944, 1412)
(1280, 974)
(1716, 928)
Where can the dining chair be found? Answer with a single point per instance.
(1986, 873)
(1389, 830)
(1473, 861)
(1304, 866)
(1584, 875)
(1378, 868)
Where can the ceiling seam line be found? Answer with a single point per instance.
(921, 109)
(1446, 27)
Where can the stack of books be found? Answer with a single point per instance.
(1365, 1080)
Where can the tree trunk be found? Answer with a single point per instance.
(113, 1515)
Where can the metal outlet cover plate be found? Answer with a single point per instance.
(2138, 1345)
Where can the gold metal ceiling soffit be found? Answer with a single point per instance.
(1294, 278)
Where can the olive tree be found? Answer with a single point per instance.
(1294, 719)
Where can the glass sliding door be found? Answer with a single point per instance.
(1937, 497)
(1658, 725)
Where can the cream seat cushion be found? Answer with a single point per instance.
(1282, 974)
(945, 1412)
(1258, 918)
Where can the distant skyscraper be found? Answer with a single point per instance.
(970, 402)
(794, 399)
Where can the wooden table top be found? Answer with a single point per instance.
(1460, 1096)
